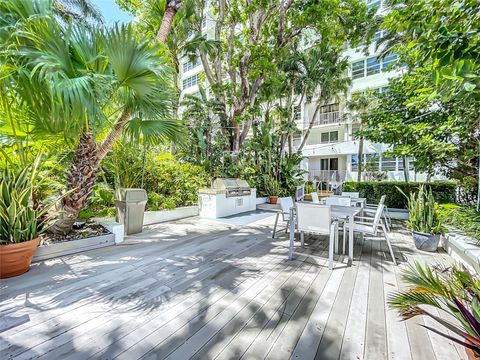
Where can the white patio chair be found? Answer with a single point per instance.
(354, 195)
(315, 219)
(315, 198)
(286, 203)
(338, 200)
(370, 209)
(300, 192)
(372, 226)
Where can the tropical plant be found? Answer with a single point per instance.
(272, 187)
(423, 212)
(450, 290)
(88, 86)
(19, 220)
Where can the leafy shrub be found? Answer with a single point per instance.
(443, 191)
(100, 204)
(159, 202)
(169, 183)
(464, 218)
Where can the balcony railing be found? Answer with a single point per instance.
(325, 119)
(328, 176)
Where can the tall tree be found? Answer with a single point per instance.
(359, 105)
(255, 36)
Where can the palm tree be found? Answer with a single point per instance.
(323, 75)
(83, 11)
(89, 86)
(360, 104)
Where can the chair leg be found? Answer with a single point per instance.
(291, 247)
(387, 225)
(288, 225)
(302, 238)
(389, 245)
(344, 237)
(330, 246)
(275, 226)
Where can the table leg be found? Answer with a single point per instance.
(275, 226)
(350, 241)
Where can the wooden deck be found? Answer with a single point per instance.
(209, 290)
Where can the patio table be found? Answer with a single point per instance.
(347, 213)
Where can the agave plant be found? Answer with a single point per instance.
(19, 220)
(423, 212)
(450, 290)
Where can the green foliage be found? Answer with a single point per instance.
(443, 191)
(423, 213)
(450, 290)
(19, 220)
(464, 218)
(272, 187)
(101, 203)
(169, 183)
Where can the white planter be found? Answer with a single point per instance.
(261, 200)
(154, 217)
(46, 252)
(463, 249)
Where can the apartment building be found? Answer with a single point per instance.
(331, 151)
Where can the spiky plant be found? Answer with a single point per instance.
(423, 213)
(451, 290)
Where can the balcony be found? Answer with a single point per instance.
(328, 176)
(326, 118)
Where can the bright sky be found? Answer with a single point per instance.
(111, 12)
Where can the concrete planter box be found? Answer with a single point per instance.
(154, 217)
(398, 214)
(51, 251)
(462, 248)
(261, 200)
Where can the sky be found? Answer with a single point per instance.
(111, 12)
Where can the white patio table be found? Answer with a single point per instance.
(361, 202)
(347, 213)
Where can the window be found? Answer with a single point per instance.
(358, 69)
(328, 137)
(355, 128)
(388, 164)
(297, 112)
(329, 164)
(189, 65)
(388, 60)
(191, 81)
(373, 3)
(373, 66)
(204, 22)
(329, 108)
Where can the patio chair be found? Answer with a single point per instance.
(371, 226)
(354, 195)
(300, 192)
(315, 219)
(315, 198)
(338, 200)
(370, 209)
(286, 203)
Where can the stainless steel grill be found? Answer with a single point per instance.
(232, 186)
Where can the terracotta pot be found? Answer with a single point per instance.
(15, 259)
(273, 199)
(471, 355)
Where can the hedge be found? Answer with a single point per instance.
(443, 191)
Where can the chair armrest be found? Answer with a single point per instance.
(364, 218)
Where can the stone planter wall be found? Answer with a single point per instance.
(463, 249)
(46, 252)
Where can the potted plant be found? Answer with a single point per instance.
(450, 290)
(273, 190)
(424, 220)
(20, 222)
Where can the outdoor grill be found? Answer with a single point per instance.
(232, 186)
(227, 196)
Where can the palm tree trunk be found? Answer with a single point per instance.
(167, 21)
(310, 125)
(81, 178)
